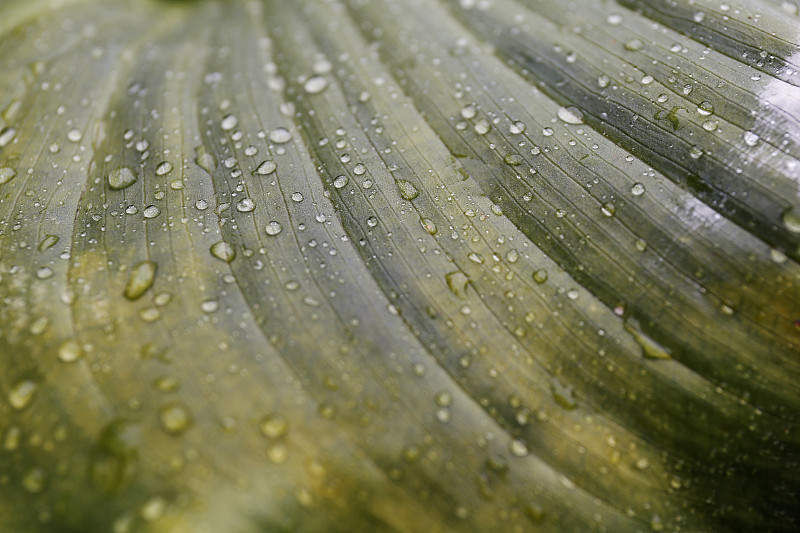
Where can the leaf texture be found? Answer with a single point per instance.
(382, 265)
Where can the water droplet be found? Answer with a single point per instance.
(633, 45)
(278, 453)
(209, 306)
(201, 205)
(518, 448)
(280, 136)
(407, 190)
(710, 125)
(273, 228)
(517, 128)
(115, 455)
(359, 169)
(608, 209)
(540, 276)
(457, 283)
(6, 136)
(121, 178)
(699, 16)
(69, 351)
(563, 395)
(7, 174)
(372, 222)
(175, 418)
(44, 273)
(141, 278)
(476, 258)
(151, 211)
(163, 168)
(482, 127)
(205, 160)
(513, 160)
(650, 348)
(153, 509)
(428, 225)
(705, 108)
(229, 122)
(571, 115)
(223, 251)
(750, 138)
(297, 197)
(614, 19)
(48, 242)
(35, 480)
(21, 394)
(74, 135)
(315, 84)
(245, 205)
(266, 167)
(791, 219)
(469, 112)
(695, 152)
(274, 426)
(340, 181)
(637, 189)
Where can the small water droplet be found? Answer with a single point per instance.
(513, 160)
(297, 197)
(457, 283)
(151, 211)
(791, 219)
(163, 168)
(340, 181)
(563, 395)
(469, 112)
(428, 225)
(571, 115)
(175, 418)
(280, 136)
(315, 84)
(69, 351)
(266, 167)
(517, 128)
(34, 480)
(223, 251)
(21, 394)
(750, 138)
(6, 136)
(540, 276)
(633, 45)
(48, 242)
(608, 209)
(518, 448)
(229, 122)
(74, 135)
(121, 178)
(637, 189)
(273, 228)
(245, 205)
(141, 279)
(407, 190)
(274, 426)
(705, 108)
(7, 174)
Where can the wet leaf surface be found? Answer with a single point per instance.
(507, 265)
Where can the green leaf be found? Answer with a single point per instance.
(347, 265)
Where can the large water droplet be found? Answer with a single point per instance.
(280, 136)
(69, 351)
